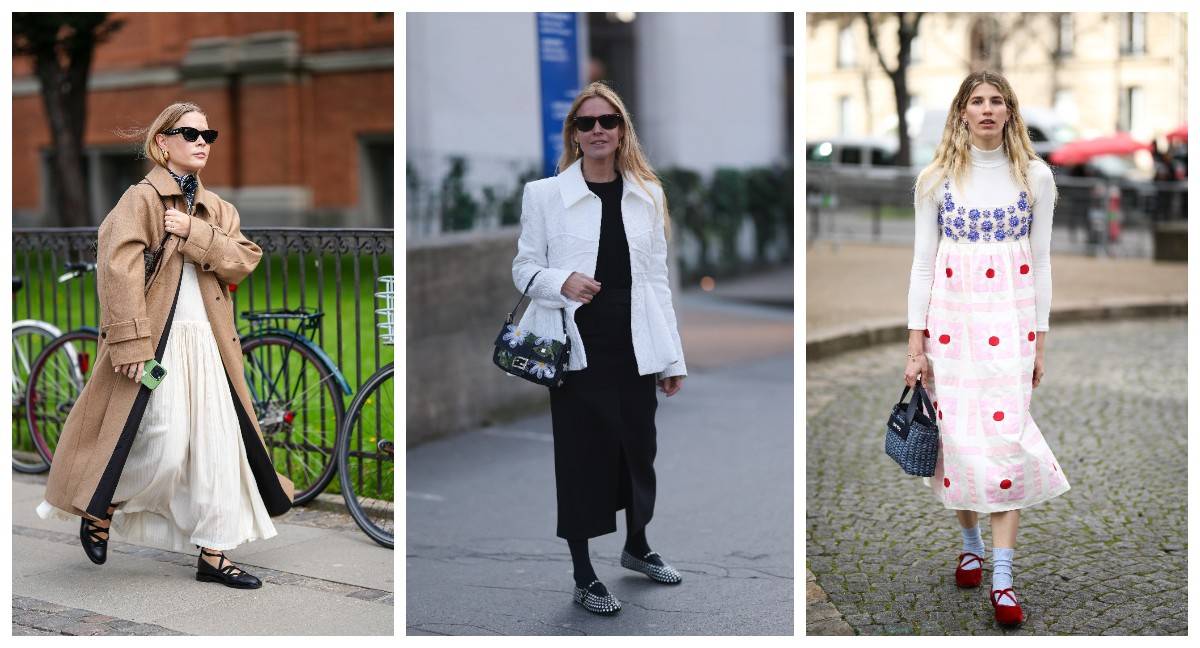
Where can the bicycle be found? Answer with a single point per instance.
(53, 382)
(369, 491)
(297, 392)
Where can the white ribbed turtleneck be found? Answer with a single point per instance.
(988, 182)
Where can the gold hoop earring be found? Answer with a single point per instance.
(166, 155)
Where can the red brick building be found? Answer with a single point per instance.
(303, 102)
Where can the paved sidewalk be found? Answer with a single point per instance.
(1107, 557)
(859, 285)
(482, 557)
(321, 575)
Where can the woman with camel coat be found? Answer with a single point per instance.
(185, 463)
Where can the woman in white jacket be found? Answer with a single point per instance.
(595, 235)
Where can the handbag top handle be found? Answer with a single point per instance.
(562, 311)
(920, 398)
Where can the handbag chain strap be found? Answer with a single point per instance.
(562, 311)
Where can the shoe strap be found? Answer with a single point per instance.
(94, 531)
(967, 558)
(221, 566)
(998, 594)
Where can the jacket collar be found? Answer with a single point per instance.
(573, 187)
(165, 185)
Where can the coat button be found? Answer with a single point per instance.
(218, 298)
(207, 267)
(104, 335)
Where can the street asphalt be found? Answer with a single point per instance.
(321, 576)
(482, 557)
(1107, 557)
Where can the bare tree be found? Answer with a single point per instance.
(62, 46)
(907, 25)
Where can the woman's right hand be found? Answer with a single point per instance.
(133, 370)
(916, 366)
(580, 287)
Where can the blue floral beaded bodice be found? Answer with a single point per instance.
(999, 223)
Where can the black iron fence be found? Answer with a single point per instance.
(876, 205)
(333, 271)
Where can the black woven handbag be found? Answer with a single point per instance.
(526, 355)
(912, 435)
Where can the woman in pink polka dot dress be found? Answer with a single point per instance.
(978, 315)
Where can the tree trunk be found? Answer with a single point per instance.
(71, 202)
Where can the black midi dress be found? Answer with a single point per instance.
(603, 416)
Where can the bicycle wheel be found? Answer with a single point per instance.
(299, 407)
(367, 457)
(28, 341)
(58, 377)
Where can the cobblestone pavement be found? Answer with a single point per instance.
(33, 617)
(1107, 557)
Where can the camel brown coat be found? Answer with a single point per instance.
(99, 430)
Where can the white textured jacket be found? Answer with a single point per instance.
(560, 234)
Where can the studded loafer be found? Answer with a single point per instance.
(968, 577)
(653, 566)
(228, 575)
(95, 545)
(1007, 615)
(600, 601)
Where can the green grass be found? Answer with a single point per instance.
(339, 335)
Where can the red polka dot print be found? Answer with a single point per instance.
(939, 414)
(994, 341)
(1006, 484)
(949, 273)
(998, 416)
(944, 339)
(990, 273)
(926, 332)
(946, 482)
(1024, 268)
(1032, 337)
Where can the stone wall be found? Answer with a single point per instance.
(459, 291)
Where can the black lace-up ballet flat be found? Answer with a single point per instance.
(228, 575)
(95, 545)
(653, 566)
(596, 598)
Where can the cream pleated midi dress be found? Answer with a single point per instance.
(981, 301)
(187, 480)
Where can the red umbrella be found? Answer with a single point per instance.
(1081, 151)
(1179, 134)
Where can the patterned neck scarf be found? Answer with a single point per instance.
(188, 184)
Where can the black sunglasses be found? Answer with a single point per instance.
(190, 134)
(607, 122)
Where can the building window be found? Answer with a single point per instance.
(845, 115)
(377, 190)
(845, 56)
(1066, 36)
(107, 174)
(1133, 33)
(1133, 111)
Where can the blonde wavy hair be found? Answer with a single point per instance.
(953, 157)
(165, 121)
(630, 158)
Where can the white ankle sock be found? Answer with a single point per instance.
(1002, 559)
(972, 543)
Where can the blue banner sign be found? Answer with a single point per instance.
(558, 58)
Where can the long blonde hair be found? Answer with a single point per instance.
(630, 158)
(165, 121)
(953, 157)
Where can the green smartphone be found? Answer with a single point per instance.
(153, 374)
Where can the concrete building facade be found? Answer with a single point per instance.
(1099, 72)
(705, 90)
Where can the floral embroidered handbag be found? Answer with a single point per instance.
(526, 355)
(912, 435)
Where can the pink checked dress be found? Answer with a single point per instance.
(980, 290)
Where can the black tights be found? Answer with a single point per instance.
(635, 544)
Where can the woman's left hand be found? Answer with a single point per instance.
(1039, 369)
(671, 385)
(177, 223)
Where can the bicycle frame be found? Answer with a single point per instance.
(299, 339)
